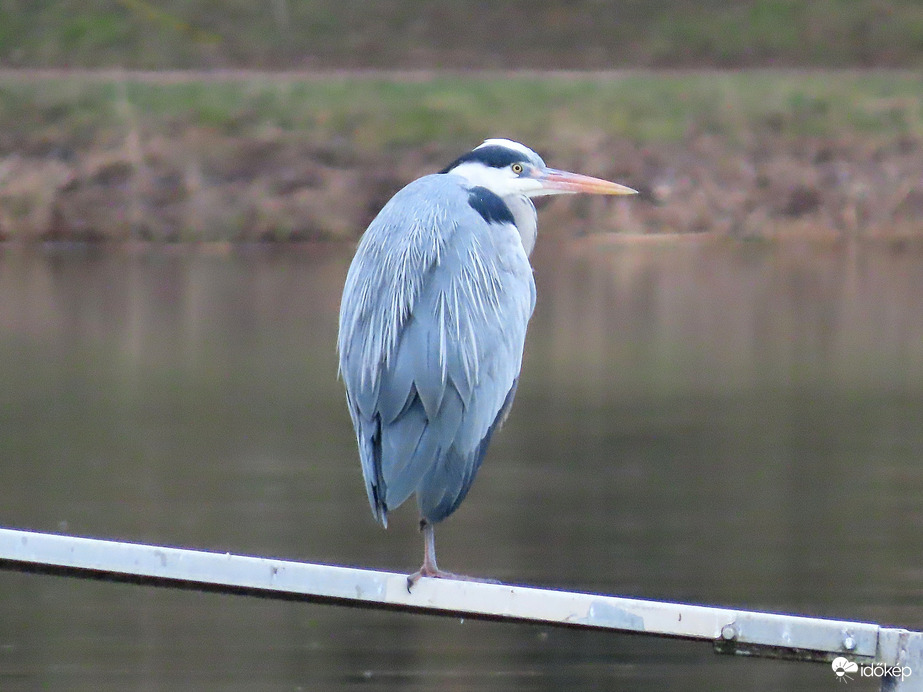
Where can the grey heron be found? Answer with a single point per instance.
(433, 323)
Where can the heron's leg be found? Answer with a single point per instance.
(429, 568)
(429, 549)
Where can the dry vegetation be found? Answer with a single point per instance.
(252, 157)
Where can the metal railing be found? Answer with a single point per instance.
(896, 654)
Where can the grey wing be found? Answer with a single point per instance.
(432, 329)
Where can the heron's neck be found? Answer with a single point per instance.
(526, 221)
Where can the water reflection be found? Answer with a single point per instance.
(717, 422)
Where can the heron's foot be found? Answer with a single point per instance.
(426, 571)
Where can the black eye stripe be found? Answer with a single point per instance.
(493, 156)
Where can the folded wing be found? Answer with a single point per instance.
(432, 328)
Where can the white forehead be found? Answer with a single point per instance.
(509, 144)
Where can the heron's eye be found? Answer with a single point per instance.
(516, 168)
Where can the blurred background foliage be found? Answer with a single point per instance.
(515, 34)
(283, 120)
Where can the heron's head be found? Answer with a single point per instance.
(509, 168)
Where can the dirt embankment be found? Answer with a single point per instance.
(201, 186)
(251, 157)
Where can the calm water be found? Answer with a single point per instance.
(733, 424)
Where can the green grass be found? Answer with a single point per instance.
(572, 34)
(377, 114)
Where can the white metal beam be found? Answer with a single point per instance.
(731, 631)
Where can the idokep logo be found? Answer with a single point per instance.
(845, 670)
(842, 667)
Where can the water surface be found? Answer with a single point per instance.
(737, 424)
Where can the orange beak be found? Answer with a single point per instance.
(555, 182)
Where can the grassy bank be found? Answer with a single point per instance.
(558, 34)
(255, 156)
